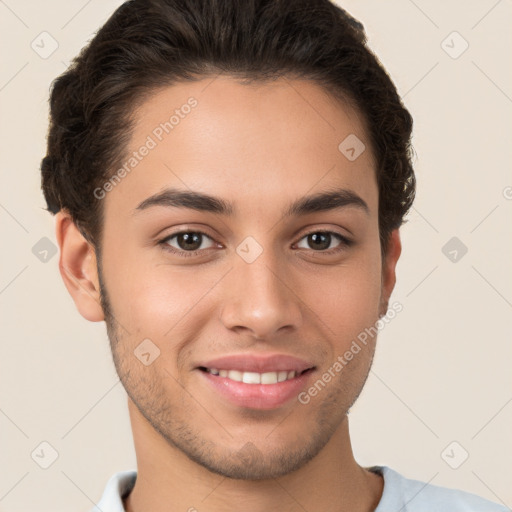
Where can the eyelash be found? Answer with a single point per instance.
(345, 243)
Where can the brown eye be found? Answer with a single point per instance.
(189, 241)
(186, 242)
(322, 240)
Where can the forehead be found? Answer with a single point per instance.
(244, 142)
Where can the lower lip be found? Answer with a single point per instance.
(258, 396)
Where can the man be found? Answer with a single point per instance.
(229, 179)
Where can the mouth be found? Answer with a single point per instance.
(237, 382)
(255, 380)
(266, 378)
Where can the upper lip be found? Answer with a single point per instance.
(258, 363)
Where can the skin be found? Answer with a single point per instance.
(260, 146)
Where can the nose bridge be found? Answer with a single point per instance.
(258, 296)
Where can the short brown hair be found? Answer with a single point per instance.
(147, 44)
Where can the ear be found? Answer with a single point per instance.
(388, 270)
(77, 266)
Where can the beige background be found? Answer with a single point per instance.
(442, 368)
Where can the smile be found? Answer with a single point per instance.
(254, 377)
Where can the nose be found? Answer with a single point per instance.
(259, 297)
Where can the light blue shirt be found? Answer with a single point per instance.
(400, 494)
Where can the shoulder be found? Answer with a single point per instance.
(416, 496)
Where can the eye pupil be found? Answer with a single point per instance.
(189, 238)
(317, 237)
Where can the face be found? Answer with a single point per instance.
(241, 275)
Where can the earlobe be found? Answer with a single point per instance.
(389, 270)
(77, 266)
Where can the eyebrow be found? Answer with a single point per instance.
(320, 202)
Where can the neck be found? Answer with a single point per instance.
(168, 481)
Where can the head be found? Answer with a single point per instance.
(242, 109)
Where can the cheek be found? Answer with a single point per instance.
(155, 300)
(347, 299)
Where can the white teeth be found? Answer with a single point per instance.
(282, 376)
(254, 377)
(269, 378)
(251, 378)
(235, 375)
